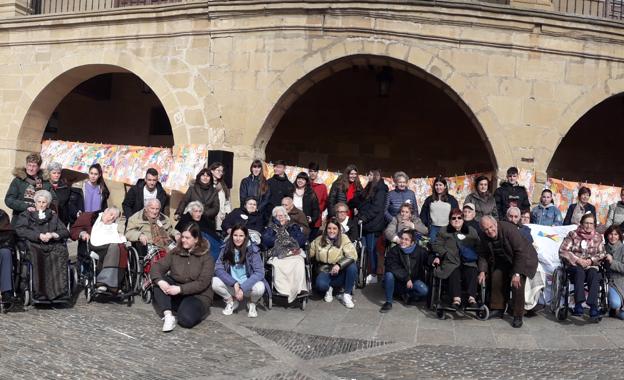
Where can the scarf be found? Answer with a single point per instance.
(34, 184)
(585, 235)
(160, 237)
(611, 248)
(409, 250)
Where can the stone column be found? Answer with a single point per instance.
(12, 8)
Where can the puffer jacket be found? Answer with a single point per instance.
(397, 198)
(191, 270)
(250, 187)
(446, 247)
(396, 225)
(617, 265)
(508, 193)
(573, 249)
(344, 255)
(484, 205)
(279, 187)
(546, 215)
(405, 266)
(19, 196)
(616, 214)
(206, 195)
(337, 195)
(254, 267)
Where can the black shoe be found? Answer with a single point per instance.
(7, 297)
(496, 314)
(386, 307)
(517, 322)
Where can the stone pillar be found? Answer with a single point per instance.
(542, 5)
(12, 8)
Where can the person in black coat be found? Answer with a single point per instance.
(255, 185)
(404, 270)
(344, 189)
(511, 193)
(573, 215)
(247, 216)
(133, 202)
(309, 203)
(279, 187)
(349, 225)
(7, 244)
(62, 190)
(371, 204)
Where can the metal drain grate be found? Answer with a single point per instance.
(314, 346)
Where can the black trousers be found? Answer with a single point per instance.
(469, 277)
(189, 309)
(579, 276)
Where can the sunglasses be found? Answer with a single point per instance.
(457, 218)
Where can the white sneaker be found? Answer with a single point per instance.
(230, 307)
(347, 301)
(371, 279)
(169, 324)
(102, 289)
(329, 294)
(252, 313)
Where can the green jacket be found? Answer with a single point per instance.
(446, 247)
(22, 189)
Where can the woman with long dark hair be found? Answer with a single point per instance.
(225, 207)
(255, 185)
(437, 207)
(89, 196)
(371, 204)
(183, 280)
(202, 191)
(335, 257)
(239, 272)
(305, 199)
(344, 189)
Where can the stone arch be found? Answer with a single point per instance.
(45, 92)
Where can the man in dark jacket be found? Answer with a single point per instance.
(296, 215)
(349, 225)
(27, 181)
(144, 189)
(511, 193)
(509, 259)
(279, 186)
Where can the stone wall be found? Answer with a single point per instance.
(226, 72)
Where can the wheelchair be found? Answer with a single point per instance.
(23, 281)
(439, 303)
(145, 256)
(303, 297)
(563, 292)
(362, 260)
(128, 284)
(16, 270)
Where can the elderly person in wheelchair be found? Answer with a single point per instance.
(101, 234)
(284, 240)
(583, 252)
(150, 227)
(45, 235)
(247, 216)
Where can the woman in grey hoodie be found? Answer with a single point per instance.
(615, 259)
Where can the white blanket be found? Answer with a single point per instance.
(289, 277)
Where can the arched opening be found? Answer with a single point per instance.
(111, 108)
(377, 112)
(590, 151)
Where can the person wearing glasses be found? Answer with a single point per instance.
(349, 225)
(583, 251)
(582, 207)
(456, 258)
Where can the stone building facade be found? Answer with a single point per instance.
(226, 72)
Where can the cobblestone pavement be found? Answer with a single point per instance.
(326, 341)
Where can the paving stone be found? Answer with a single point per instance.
(308, 346)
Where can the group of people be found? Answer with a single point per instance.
(212, 247)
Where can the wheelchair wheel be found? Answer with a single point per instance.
(130, 300)
(558, 281)
(146, 295)
(440, 313)
(134, 270)
(268, 302)
(483, 314)
(27, 297)
(89, 294)
(362, 269)
(561, 313)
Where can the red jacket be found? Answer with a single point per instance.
(321, 194)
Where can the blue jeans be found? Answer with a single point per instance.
(6, 267)
(615, 300)
(419, 288)
(345, 278)
(370, 245)
(433, 232)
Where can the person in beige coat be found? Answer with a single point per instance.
(150, 226)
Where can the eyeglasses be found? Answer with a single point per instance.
(457, 218)
(342, 211)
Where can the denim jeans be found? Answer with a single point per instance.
(6, 269)
(345, 278)
(579, 276)
(392, 287)
(215, 245)
(370, 243)
(615, 300)
(433, 232)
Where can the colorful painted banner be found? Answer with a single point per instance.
(565, 193)
(127, 164)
